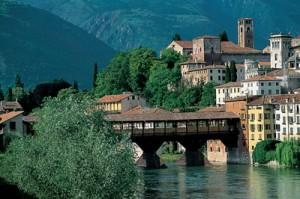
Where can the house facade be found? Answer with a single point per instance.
(120, 103)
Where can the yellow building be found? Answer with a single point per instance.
(261, 121)
(120, 103)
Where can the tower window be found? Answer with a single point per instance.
(241, 29)
(276, 57)
(248, 29)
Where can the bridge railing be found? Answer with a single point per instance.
(175, 128)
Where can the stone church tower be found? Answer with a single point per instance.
(245, 33)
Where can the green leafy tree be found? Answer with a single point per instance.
(209, 95)
(288, 153)
(264, 151)
(140, 61)
(115, 78)
(75, 153)
(18, 82)
(170, 57)
(227, 74)
(223, 36)
(176, 37)
(18, 93)
(95, 73)
(233, 71)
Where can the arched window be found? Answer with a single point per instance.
(276, 57)
(241, 29)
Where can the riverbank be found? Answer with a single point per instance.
(170, 157)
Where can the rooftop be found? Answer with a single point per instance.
(230, 85)
(114, 98)
(169, 116)
(276, 99)
(8, 116)
(280, 73)
(262, 78)
(207, 37)
(185, 44)
(212, 109)
(10, 105)
(229, 47)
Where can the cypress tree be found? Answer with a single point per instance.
(95, 75)
(18, 82)
(233, 71)
(227, 74)
(1, 94)
(9, 95)
(75, 85)
(176, 37)
(223, 36)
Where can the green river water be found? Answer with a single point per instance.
(224, 182)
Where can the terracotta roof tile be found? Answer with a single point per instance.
(185, 44)
(276, 99)
(230, 85)
(261, 78)
(141, 110)
(280, 73)
(114, 98)
(8, 116)
(212, 109)
(231, 48)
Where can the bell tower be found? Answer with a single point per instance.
(245, 33)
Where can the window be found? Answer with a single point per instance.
(270, 91)
(259, 136)
(262, 84)
(262, 92)
(252, 136)
(283, 109)
(268, 127)
(269, 136)
(277, 117)
(270, 83)
(259, 117)
(12, 126)
(252, 127)
(277, 83)
(277, 91)
(298, 119)
(259, 128)
(276, 57)
(290, 120)
(267, 116)
(298, 130)
(283, 120)
(291, 131)
(277, 126)
(219, 77)
(252, 117)
(284, 131)
(219, 71)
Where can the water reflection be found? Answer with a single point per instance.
(232, 181)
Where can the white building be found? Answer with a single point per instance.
(182, 47)
(261, 85)
(287, 116)
(228, 91)
(280, 45)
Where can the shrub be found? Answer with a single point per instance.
(262, 148)
(288, 153)
(74, 154)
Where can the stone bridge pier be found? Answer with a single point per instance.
(192, 155)
(149, 158)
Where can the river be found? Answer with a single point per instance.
(224, 182)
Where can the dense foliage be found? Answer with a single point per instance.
(74, 154)
(264, 151)
(158, 79)
(286, 153)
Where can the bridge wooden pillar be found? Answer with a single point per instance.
(192, 155)
(149, 159)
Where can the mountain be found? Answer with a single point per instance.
(41, 47)
(125, 24)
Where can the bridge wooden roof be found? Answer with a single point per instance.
(150, 117)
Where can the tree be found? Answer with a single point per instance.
(95, 73)
(76, 154)
(1, 94)
(75, 85)
(140, 61)
(209, 95)
(170, 57)
(223, 36)
(18, 82)
(115, 77)
(227, 74)
(9, 95)
(233, 71)
(176, 37)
